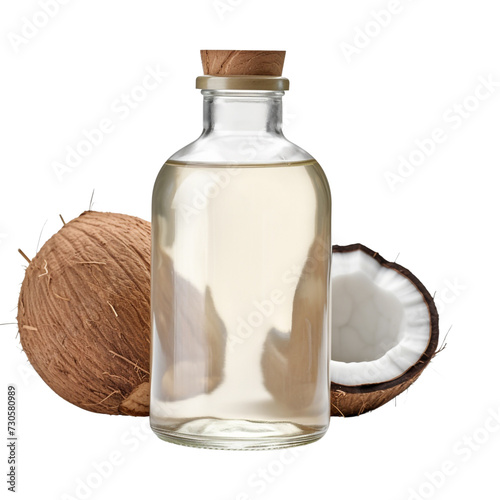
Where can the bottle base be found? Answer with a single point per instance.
(239, 434)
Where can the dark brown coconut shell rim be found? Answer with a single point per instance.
(412, 372)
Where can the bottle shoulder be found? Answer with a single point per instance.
(234, 148)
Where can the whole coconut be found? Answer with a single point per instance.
(84, 313)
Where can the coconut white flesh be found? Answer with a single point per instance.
(380, 321)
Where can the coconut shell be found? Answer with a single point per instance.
(84, 313)
(348, 401)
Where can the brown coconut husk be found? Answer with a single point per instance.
(84, 313)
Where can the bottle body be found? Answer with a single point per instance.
(240, 272)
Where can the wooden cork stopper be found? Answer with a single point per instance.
(242, 62)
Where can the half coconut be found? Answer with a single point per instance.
(384, 330)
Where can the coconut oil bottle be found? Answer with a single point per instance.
(240, 271)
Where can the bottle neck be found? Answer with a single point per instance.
(242, 112)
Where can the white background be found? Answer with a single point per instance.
(356, 114)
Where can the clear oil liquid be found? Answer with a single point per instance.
(240, 272)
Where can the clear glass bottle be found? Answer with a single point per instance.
(240, 271)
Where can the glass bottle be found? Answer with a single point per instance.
(240, 270)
